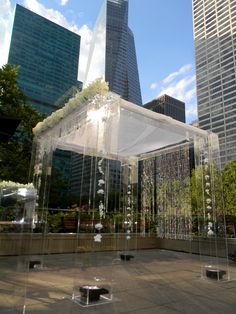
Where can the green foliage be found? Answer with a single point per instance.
(15, 155)
(11, 97)
(96, 87)
(54, 222)
(229, 184)
(173, 196)
(57, 186)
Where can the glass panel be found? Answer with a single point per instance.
(130, 182)
(210, 217)
(17, 203)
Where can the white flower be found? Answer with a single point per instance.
(100, 162)
(16, 185)
(210, 225)
(101, 206)
(98, 226)
(207, 177)
(101, 182)
(100, 170)
(208, 184)
(209, 207)
(97, 238)
(95, 89)
(207, 191)
(208, 200)
(101, 191)
(128, 237)
(210, 232)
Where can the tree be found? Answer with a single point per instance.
(229, 186)
(15, 155)
(11, 96)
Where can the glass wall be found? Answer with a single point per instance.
(142, 176)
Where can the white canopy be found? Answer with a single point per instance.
(110, 126)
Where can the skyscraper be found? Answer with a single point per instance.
(48, 55)
(215, 52)
(168, 106)
(112, 57)
(112, 54)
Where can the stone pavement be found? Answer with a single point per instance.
(155, 281)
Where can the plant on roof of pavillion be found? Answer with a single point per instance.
(81, 98)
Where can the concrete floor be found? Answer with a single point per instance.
(155, 281)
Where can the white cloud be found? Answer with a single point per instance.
(86, 36)
(59, 18)
(181, 85)
(51, 14)
(182, 70)
(153, 86)
(182, 89)
(6, 19)
(63, 2)
(191, 111)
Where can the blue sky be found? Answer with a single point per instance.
(163, 38)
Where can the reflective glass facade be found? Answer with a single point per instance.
(215, 51)
(48, 55)
(168, 106)
(112, 55)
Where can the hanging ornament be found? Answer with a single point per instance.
(101, 207)
(98, 237)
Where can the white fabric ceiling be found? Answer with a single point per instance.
(130, 132)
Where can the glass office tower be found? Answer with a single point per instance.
(168, 106)
(112, 57)
(215, 42)
(112, 53)
(48, 55)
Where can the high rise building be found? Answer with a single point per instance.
(112, 57)
(48, 55)
(215, 52)
(112, 54)
(168, 106)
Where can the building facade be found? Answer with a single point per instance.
(48, 56)
(112, 57)
(112, 54)
(215, 53)
(168, 106)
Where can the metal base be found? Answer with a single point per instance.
(102, 300)
(215, 273)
